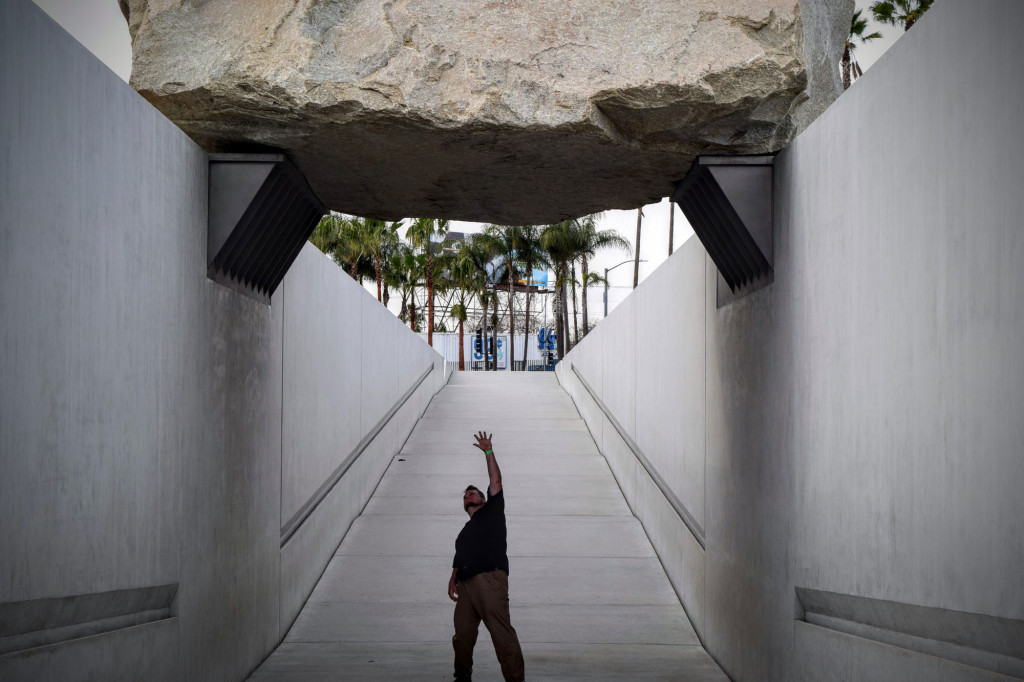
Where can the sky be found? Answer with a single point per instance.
(100, 27)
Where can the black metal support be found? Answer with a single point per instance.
(262, 211)
(728, 201)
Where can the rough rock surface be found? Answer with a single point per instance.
(505, 111)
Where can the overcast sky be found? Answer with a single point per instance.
(100, 27)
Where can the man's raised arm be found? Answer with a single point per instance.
(483, 441)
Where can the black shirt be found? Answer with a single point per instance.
(481, 545)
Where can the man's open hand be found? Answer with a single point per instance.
(483, 441)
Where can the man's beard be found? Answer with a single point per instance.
(467, 505)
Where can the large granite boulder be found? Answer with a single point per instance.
(506, 111)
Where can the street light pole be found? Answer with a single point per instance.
(606, 271)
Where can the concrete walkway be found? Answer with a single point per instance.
(589, 598)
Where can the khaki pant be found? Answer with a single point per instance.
(485, 597)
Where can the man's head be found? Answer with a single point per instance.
(472, 499)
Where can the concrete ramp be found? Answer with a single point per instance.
(589, 597)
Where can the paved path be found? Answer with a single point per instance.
(589, 598)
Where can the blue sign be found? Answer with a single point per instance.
(546, 339)
(498, 357)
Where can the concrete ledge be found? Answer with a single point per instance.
(144, 652)
(308, 549)
(39, 622)
(819, 649)
(985, 642)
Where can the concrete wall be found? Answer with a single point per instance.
(848, 439)
(160, 433)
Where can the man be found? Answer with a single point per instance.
(479, 582)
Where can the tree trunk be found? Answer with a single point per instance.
(494, 334)
(671, 225)
(526, 321)
(354, 270)
(430, 297)
(575, 309)
(559, 317)
(376, 266)
(846, 67)
(565, 314)
(412, 311)
(462, 353)
(636, 259)
(483, 321)
(387, 295)
(584, 267)
(405, 309)
(511, 323)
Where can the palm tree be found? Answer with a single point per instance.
(461, 313)
(441, 231)
(858, 25)
(342, 238)
(575, 303)
(443, 285)
(531, 253)
(421, 233)
(592, 241)
(896, 12)
(506, 241)
(489, 297)
(551, 239)
(403, 273)
(390, 246)
(479, 250)
(416, 273)
(380, 237)
(351, 247)
(562, 244)
(395, 274)
(463, 277)
(327, 232)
